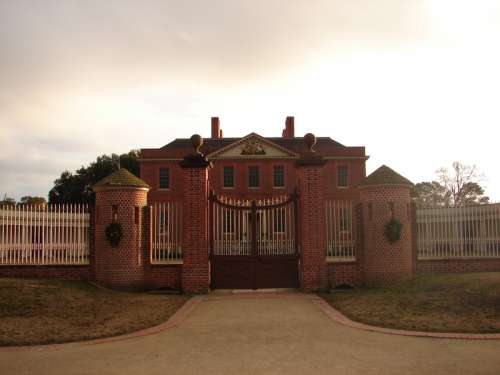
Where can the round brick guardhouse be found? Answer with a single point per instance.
(385, 195)
(120, 198)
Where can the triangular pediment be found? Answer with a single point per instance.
(253, 146)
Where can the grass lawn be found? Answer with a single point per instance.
(466, 303)
(50, 311)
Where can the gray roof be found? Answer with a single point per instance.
(122, 177)
(385, 176)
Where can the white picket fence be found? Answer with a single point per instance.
(340, 231)
(44, 234)
(167, 232)
(458, 232)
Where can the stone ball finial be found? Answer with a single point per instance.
(196, 142)
(310, 140)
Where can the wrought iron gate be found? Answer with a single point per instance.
(253, 244)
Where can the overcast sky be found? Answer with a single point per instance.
(415, 81)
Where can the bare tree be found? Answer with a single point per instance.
(463, 184)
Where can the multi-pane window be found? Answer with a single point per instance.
(164, 178)
(228, 222)
(279, 220)
(228, 177)
(345, 217)
(342, 178)
(253, 176)
(279, 176)
(162, 221)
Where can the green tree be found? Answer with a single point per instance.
(77, 187)
(36, 201)
(430, 194)
(7, 201)
(472, 193)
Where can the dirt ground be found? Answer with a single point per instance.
(47, 311)
(271, 334)
(466, 303)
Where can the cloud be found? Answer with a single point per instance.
(125, 41)
(80, 79)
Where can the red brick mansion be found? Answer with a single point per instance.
(303, 229)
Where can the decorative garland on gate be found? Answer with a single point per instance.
(393, 230)
(114, 233)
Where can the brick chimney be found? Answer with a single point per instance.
(216, 130)
(289, 131)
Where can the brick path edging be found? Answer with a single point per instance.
(178, 317)
(181, 314)
(338, 317)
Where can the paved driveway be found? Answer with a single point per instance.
(255, 334)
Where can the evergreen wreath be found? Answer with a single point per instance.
(393, 230)
(114, 233)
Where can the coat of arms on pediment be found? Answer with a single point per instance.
(253, 147)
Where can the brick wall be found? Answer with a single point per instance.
(340, 273)
(385, 263)
(121, 266)
(164, 276)
(150, 173)
(74, 273)
(458, 265)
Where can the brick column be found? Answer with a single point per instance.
(195, 242)
(313, 268)
(92, 244)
